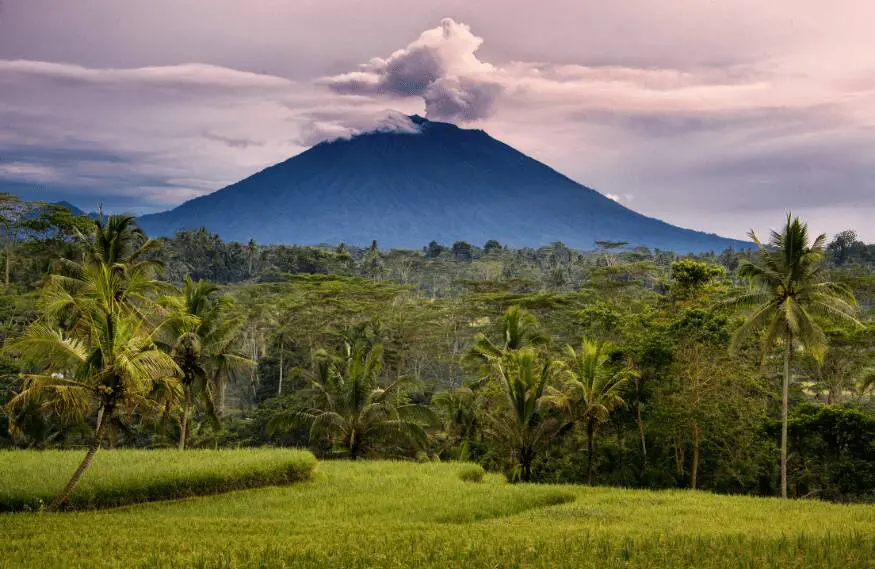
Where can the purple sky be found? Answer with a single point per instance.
(719, 116)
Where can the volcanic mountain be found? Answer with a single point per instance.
(405, 189)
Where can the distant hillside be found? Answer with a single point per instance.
(443, 183)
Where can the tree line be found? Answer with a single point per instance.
(739, 371)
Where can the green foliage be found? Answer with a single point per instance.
(200, 333)
(443, 319)
(591, 391)
(347, 404)
(29, 479)
(690, 277)
(521, 421)
(833, 452)
(790, 294)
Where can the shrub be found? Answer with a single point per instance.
(471, 472)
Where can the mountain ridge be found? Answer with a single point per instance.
(405, 189)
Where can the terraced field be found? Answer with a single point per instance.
(390, 514)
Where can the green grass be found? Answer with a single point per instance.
(471, 472)
(394, 515)
(30, 479)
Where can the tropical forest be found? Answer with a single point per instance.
(611, 407)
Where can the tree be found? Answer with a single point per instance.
(834, 457)
(457, 410)
(200, 334)
(434, 250)
(492, 246)
(519, 329)
(841, 245)
(690, 277)
(789, 294)
(118, 242)
(608, 247)
(12, 210)
(462, 251)
(106, 366)
(115, 268)
(521, 421)
(591, 392)
(700, 376)
(372, 263)
(251, 250)
(347, 404)
(92, 351)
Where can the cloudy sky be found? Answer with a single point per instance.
(719, 116)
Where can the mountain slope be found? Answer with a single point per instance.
(443, 183)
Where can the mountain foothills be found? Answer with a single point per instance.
(405, 188)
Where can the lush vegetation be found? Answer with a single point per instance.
(393, 514)
(744, 372)
(29, 480)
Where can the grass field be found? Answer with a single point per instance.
(385, 514)
(29, 479)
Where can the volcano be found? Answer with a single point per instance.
(436, 181)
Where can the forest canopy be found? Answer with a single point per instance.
(733, 371)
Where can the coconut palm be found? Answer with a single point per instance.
(200, 333)
(92, 354)
(522, 420)
(519, 329)
(118, 239)
(457, 410)
(115, 270)
(101, 371)
(789, 294)
(346, 404)
(590, 392)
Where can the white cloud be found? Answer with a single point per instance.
(441, 66)
(184, 76)
(346, 126)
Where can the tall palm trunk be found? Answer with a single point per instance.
(694, 470)
(785, 404)
(183, 423)
(220, 397)
(355, 444)
(8, 264)
(590, 448)
(526, 458)
(641, 435)
(83, 466)
(279, 389)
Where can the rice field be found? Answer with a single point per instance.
(391, 514)
(30, 479)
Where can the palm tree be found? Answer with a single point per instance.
(789, 294)
(347, 404)
(591, 392)
(200, 334)
(93, 351)
(457, 410)
(118, 240)
(519, 329)
(522, 422)
(108, 368)
(115, 269)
